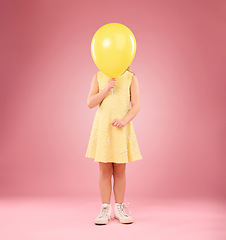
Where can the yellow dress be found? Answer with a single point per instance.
(108, 143)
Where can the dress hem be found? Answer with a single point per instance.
(134, 160)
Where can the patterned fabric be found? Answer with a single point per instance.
(108, 143)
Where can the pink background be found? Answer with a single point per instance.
(46, 71)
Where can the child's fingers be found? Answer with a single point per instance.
(118, 123)
(114, 122)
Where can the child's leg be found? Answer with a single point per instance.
(119, 173)
(105, 175)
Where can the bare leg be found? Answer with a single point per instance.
(119, 173)
(105, 175)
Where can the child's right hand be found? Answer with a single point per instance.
(110, 84)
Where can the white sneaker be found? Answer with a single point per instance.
(104, 215)
(120, 214)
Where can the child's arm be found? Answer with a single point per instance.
(95, 97)
(135, 100)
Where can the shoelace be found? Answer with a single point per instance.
(104, 211)
(124, 205)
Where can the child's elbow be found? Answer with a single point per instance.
(88, 103)
(89, 106)
(138, 107)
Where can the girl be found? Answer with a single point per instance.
(112, 140)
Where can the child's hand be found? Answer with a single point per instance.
(110, 84)
(118, 123)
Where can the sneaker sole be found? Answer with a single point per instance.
(122, 221)
(102, 223)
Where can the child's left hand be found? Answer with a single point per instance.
(118, 123)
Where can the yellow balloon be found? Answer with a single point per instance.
(113, 48)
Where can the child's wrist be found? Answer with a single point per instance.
(106, 90)
(124, 122)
